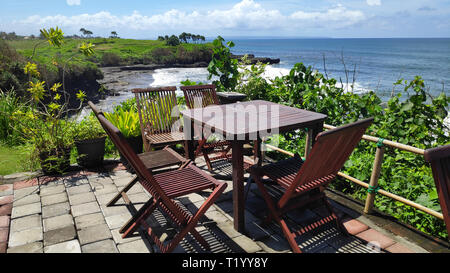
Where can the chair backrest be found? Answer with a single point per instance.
(200, 95)
(145, 176)
(439, 159)
(155, 107)
(328, 154)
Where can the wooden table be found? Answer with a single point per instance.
(241, 122)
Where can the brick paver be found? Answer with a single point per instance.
(69, 215)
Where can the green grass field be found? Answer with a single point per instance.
(15, 159)
(128, 50)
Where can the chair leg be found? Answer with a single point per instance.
(274, 215)
(339, 224)
(248, 186)
(135, 220)
(208, 161)
(124, 190)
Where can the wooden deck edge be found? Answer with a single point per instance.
(354, 208)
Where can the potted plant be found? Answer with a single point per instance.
(46, 120)
(127, 121)
(89, 138)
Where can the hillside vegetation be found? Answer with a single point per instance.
(114, 51)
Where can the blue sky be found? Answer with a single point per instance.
(301, 18)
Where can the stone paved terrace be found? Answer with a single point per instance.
(68, 214)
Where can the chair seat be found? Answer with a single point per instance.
(160, 159)
(284, 172)
(184, 181)
(165, 138)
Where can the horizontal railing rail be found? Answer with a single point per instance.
(372, 186)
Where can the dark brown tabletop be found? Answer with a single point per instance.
(244, 121)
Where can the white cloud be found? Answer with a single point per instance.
(246, 16)
(374, 2)
(73, 2)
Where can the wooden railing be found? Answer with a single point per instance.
(372, 186)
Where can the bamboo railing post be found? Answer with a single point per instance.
(376, 170)
(308, 142)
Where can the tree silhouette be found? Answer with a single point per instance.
(113, 34)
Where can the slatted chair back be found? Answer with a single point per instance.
(145, 176)
(439, 159)
(156, 108)
(328, 154)
(200, 95)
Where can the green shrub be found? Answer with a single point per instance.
(110, 59)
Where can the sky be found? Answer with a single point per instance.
(147, 19)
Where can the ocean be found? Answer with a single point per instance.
(373, 64)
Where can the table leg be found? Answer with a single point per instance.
(238, 185)
(257, 158)
(315, 131)
(188, 130)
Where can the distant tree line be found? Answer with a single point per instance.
(184, 37)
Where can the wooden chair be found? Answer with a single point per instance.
(154, 160)
(301, 182)
(164, 189)
(156, 116)
(201, 96)
(439, 159)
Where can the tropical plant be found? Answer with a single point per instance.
(88, 128)
(223, 66)
(127, 121)
(49, 128)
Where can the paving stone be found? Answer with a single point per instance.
(65, 247)
(98, 182)
(398, 248)
(137, 188)
(122, 181)
(81, 198)
(216, 216)
(4, 221)
(274, 244)
(79, 189)
(105, 198)
(20, 193)
(29, 209)
(6, 209)
(117, 237)
(59, 235)
(3, 247)
(36, 247)
(6, 199)
(105, 189)
(117, 221)
(6, 189)
(57, 222)
(137, 246)
(27, 222)
(94, 233)
(54, 199)
(25, 237)
(52, 189)
(248, 245)
(4, 232)
(86, 208)
(27, 199)
(114, 210)
(105, 246)
(354, 226)
(375, 237)
(75, 181)
(88, 220)
(228, 229)
(55, 210)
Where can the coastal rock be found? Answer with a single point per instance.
(253, 60)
